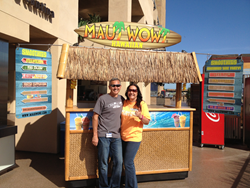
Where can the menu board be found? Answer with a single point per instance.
(33, 82)
(223, 86)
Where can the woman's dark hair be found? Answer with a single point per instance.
(139, 95)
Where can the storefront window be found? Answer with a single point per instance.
(90, 90)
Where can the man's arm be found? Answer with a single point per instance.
(95, 125)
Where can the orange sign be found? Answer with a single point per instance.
(221, 81)
(220, 94)
(221, 74)
(129, 35)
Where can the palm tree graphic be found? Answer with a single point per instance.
(119, 25)
(166, 31)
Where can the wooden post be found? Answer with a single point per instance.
(191, 141)
(178, 96)
(69, 95)
(63, 61)
(67, 125)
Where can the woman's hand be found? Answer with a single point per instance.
(143, 119)
(138, 113)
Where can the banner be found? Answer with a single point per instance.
(33, 83)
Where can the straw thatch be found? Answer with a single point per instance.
(130, 65)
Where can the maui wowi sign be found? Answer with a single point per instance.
(129, 35)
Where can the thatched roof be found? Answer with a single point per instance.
(102, 64)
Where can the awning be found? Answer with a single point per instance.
(100, 64)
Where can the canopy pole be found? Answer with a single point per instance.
(63, 61)
(69, 95)
(178, 96)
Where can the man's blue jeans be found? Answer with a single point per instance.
(129, 151)
(112, 146)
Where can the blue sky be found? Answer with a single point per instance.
(209, 26)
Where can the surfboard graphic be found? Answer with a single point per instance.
(129, 35)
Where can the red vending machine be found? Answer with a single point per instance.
(212, 125)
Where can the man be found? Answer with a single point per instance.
(106, 134)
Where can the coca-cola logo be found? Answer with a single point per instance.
(213, 117)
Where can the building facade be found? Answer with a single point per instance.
(46, 25)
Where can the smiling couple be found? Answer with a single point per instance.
(117, 132)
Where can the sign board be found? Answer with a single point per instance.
(129, 35)
(33, 82)
(223, 86)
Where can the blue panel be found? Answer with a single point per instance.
(168, 120)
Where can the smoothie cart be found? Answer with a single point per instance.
(166, 148)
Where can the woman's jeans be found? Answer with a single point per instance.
(112, 146)
(129, 151)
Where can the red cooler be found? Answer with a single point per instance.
(212, 125)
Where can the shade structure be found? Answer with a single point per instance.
(100, 64)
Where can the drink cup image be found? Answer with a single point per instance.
(78, 123)
(176, 121)
(182, 121)
(85, 123)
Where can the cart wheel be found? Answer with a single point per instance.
(201, 145)
(221, 147)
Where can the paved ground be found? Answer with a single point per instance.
(212, 167)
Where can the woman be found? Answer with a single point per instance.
(134, 115)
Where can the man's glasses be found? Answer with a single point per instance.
(118, 85)
(134, 90)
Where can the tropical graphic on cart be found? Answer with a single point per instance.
(168, 120)
(81, 120)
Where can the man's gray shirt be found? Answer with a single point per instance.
(109, 110)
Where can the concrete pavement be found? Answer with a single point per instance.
(212, 167)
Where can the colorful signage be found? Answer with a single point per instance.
(223, 79)
(33, 91)
(129, 35)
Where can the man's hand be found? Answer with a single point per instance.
(95, 140)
